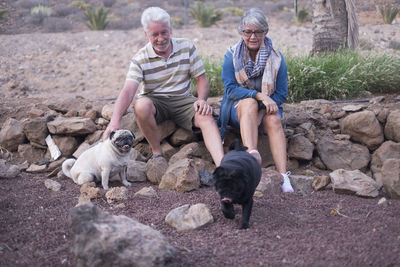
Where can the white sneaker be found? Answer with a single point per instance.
(286, 186)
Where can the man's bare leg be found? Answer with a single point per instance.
(145, 117)
(211, 136)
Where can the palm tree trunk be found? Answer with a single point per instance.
(334, 25)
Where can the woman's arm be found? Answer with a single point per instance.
(232, 89)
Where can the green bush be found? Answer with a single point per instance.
(341, 75)
(388, 13)
(213, 72)
(40, 12)
(235, 11)
(2, 12)
(302, 15)
(96, 18)
(205, 16)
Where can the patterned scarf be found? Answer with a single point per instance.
(268, 62)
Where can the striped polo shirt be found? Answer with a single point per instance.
(160, 76)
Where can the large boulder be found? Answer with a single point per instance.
(12, 134)
(102, 239)
(363, 127)
(392, 127)
(388, 150)
(391, 177)
(342, 154)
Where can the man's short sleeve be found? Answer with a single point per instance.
(135, 72)
(196, 64)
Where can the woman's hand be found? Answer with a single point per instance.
(270, 105)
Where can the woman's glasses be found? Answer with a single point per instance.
(249, 33)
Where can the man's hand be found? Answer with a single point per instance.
(202, 107)
(112, 126)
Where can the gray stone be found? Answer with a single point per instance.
(136, 171)
(102, 239)
(181, 176)
(353, 182)
(12, 134)
(71, 126)
(189, 217)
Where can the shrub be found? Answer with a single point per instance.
(388, 13)
(41, 11)
(205, 16)
(302, 15)
(96, 18)
(2, 12)
(341, 75)
(213, 72)
(235, 11)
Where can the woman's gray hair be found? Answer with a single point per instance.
(154, 14)
(256, 17)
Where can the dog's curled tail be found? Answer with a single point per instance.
(67, 165)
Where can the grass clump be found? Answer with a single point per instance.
(302, 15)
(341, 75)
(205, 16)
(213, 69)
(2, 12)
(388, 13)
(95, 18)
(235, 11)
(40, 12)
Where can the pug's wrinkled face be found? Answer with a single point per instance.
(122, 140)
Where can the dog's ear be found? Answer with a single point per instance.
(219, 172)
(111, 135)
(237, 145)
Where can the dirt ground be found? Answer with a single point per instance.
(323, 229)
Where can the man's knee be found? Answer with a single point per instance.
(144, 106)
(203, 120)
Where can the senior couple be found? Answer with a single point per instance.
(254, 76)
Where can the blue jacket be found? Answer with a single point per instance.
(233, 91)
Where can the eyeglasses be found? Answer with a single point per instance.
(249, 33)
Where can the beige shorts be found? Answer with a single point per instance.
(180, 109)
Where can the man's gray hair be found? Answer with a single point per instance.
(256, 17)
(154, 14)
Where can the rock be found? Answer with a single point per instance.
(66, 144)
(12, 134)
(383, 201)
(189, 217)
(206, 178)
(189, 151)
(320, 182)
(391, 177)
(182, 136)
(136, 171)
(270, 183)
(8, 170)
(101, 239)
(146, 192)
(36, 131)
(300, 148)
(71, 126)
(52, 185)
(106, 111)
(388, 150)
(117, 194)
(353, 182)
(392, 127)
(34, 168)
(342, 154)
(352, 108)
(30, 153)
(155, 169)
(90, 191)
(302, 184)
(181, 176)
(363, 127)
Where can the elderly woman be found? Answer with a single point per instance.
(254, 75)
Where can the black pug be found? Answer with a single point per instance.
(236, 180)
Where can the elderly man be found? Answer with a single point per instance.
(164, 67)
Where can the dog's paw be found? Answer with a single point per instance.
(126, 183)
(244, 225)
